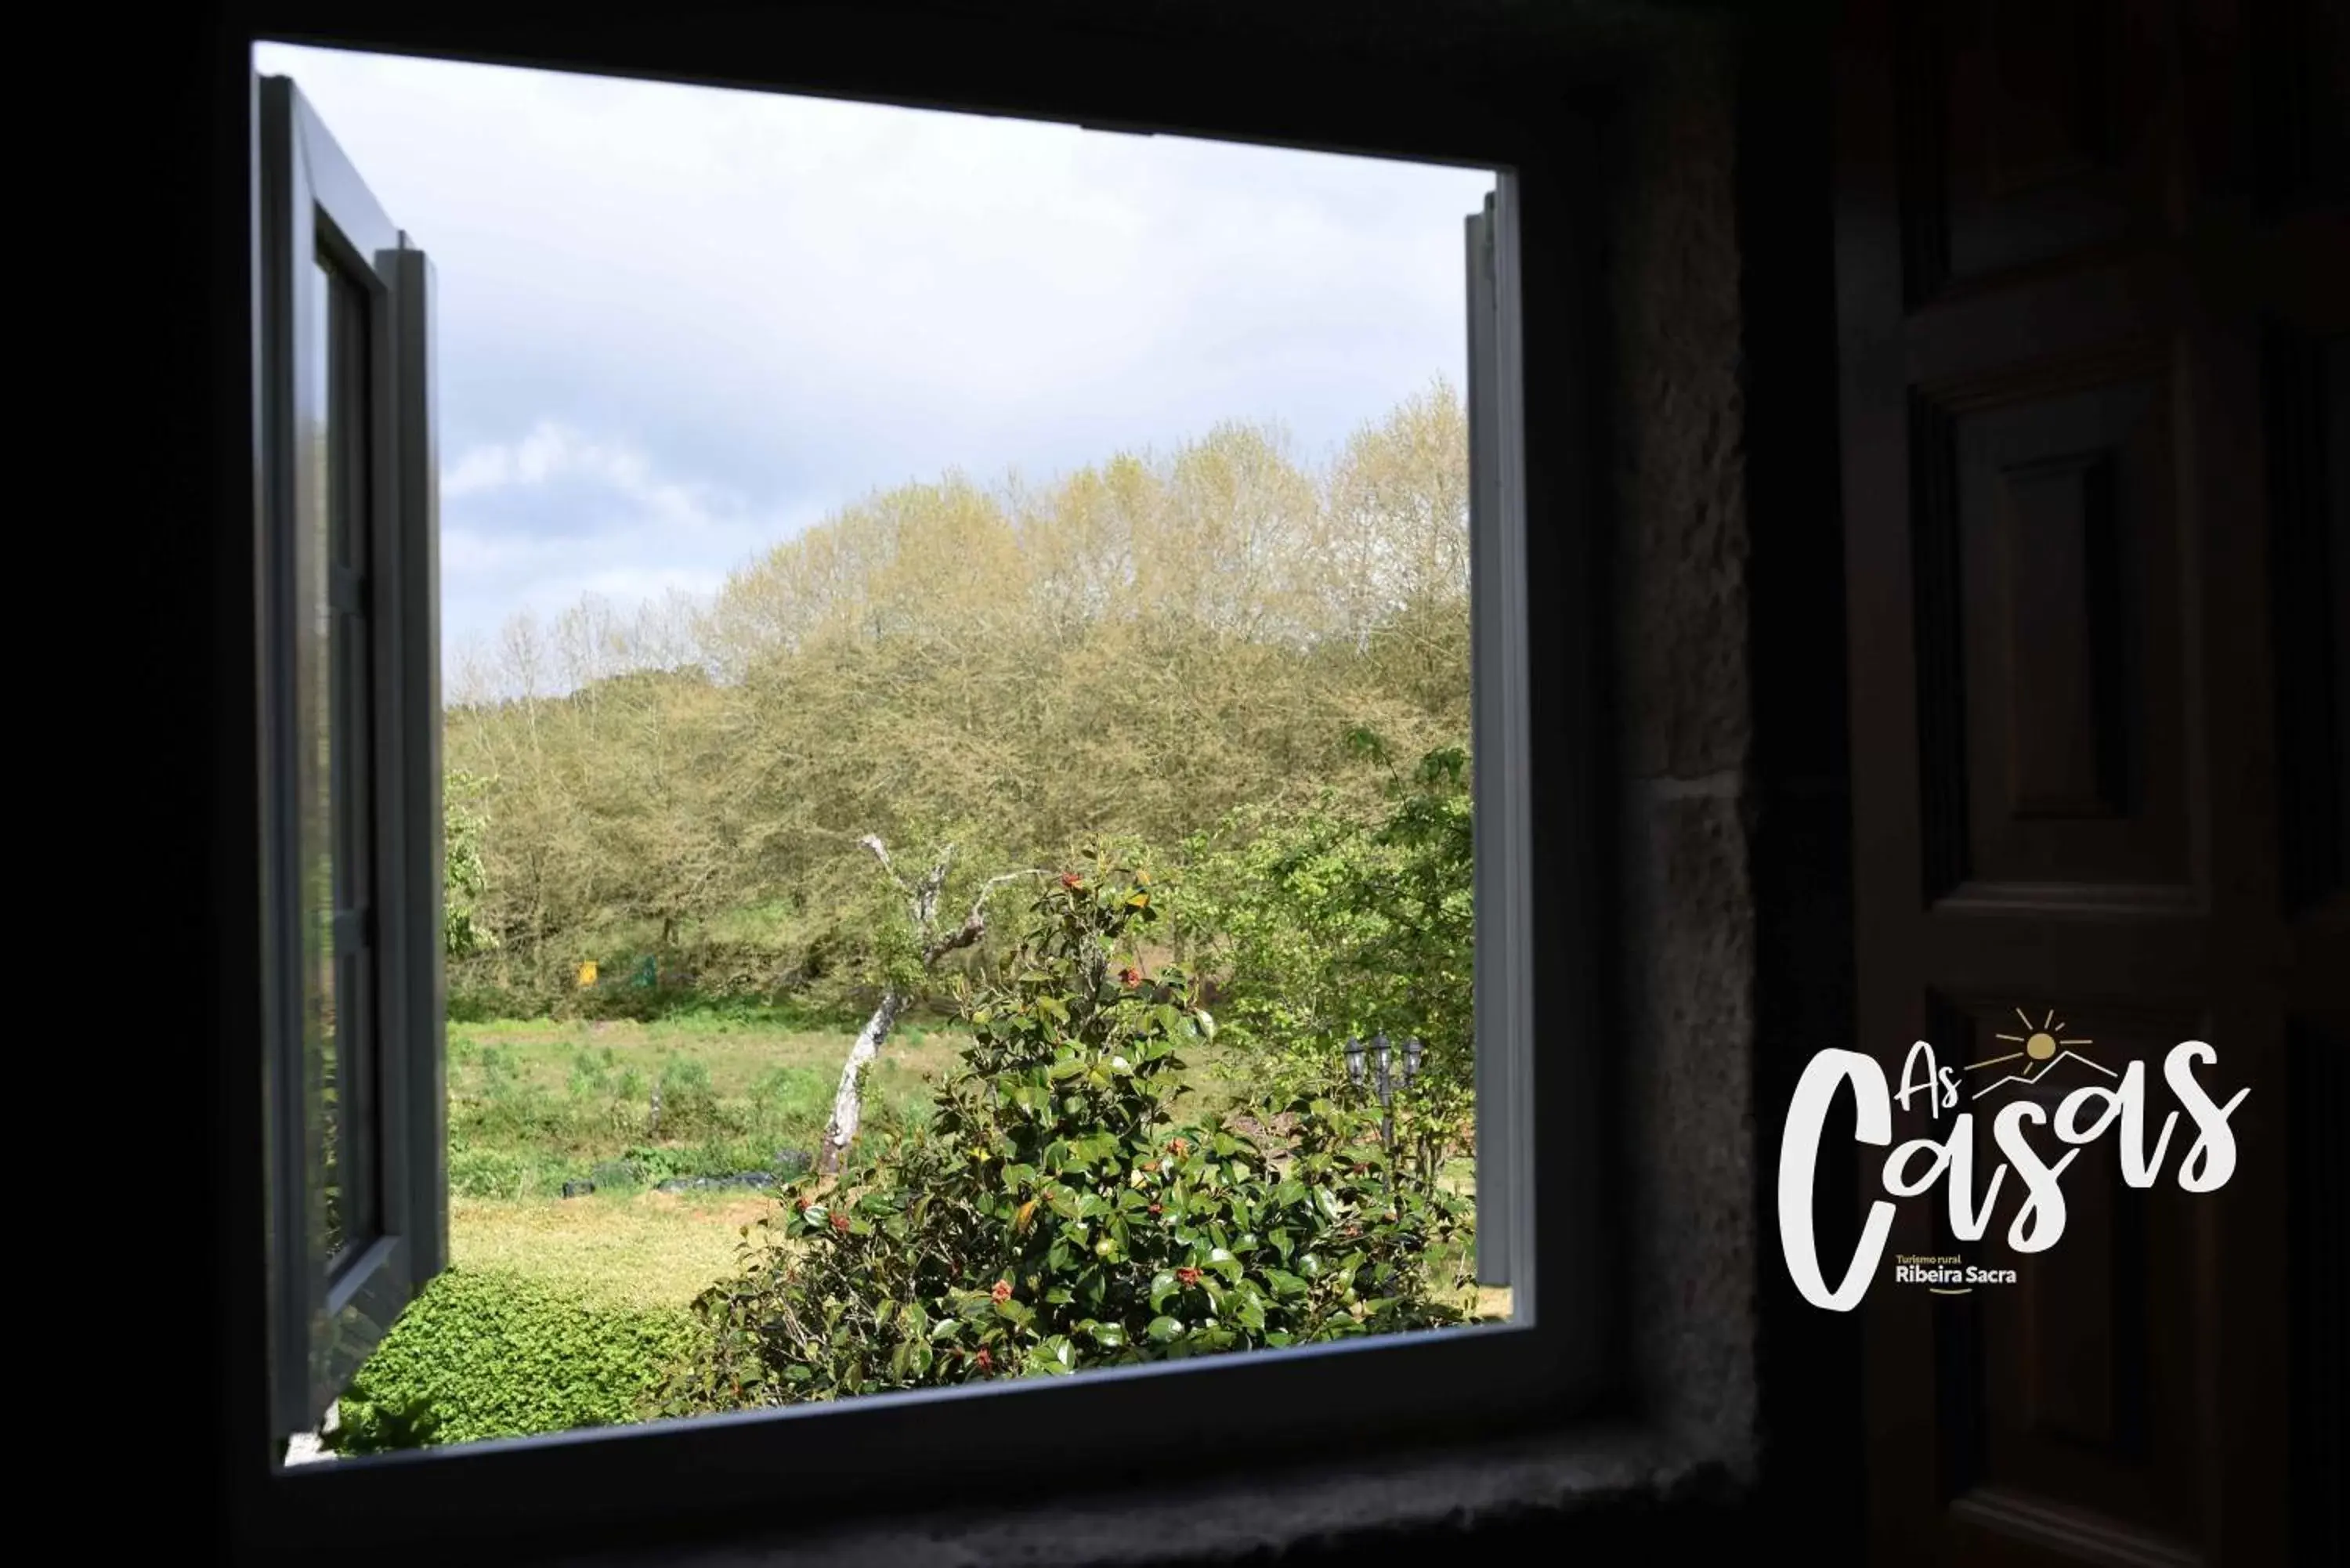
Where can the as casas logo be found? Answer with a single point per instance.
(2039, 1222)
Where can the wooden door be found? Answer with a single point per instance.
(2093, 278)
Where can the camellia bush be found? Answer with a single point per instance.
(1060, 1212)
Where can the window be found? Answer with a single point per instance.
(352, 787)
(351, 775)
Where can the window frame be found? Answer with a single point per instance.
(330, 1307)
(1552, 1366)
(1499, 823)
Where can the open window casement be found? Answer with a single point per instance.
(1503, 822)
(349, 702)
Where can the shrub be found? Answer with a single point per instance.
(1055, 1214)
(495, 1356)
(689, 1106)
(491, 1172)
(1334, 925)
(464, 878)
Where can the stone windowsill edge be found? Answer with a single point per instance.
(1221, 1521)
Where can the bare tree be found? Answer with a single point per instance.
(932, 944)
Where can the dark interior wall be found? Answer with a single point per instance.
(1676, 458)
(1719, 627)
(1729, 641)
(1799, 806)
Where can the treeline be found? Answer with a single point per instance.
(1134, 652)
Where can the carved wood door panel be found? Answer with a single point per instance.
(2094, 281)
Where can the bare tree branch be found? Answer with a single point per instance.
(881, 852)
(974, 924)
(926, 893)
(922, 905)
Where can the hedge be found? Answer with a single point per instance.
(492, 1355)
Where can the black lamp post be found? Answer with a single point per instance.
(1383, 1080)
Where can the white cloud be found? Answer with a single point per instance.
(554, 452)
(533, 525)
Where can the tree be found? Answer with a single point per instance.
(463, 880)
(1139, 649)
(903, 972)
(1342, 924)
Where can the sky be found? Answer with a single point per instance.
(677, 325)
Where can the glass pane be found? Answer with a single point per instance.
(354, 716)
(313, 675)
(332, 672)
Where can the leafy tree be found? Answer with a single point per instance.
(1340, 925)
(1059, 1212)
(464, 878)
(1144, 647)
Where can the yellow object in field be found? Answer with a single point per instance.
(586, 974)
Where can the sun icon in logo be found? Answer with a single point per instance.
(2044, 1048)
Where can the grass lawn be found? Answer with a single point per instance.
(535, 1103)
(634, 1250)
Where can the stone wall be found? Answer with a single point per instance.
(1684, 707)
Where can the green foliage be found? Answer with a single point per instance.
(464, 878)
(1343, 924)
(493, 1356)
(1058, 1212)
(1140, 647)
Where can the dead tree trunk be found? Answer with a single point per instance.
(923, 908)
(848, 1100)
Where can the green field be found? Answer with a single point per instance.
(535, 1104)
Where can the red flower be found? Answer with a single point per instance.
(1001, 1291)
(1179, 1146)
(840, 1221)
(984, 1360)
(803, 1203)
(1071, 879)
(1130, 975)
(1187, 1276)
(1156, 1209)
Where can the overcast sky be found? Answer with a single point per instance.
(679, 323)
